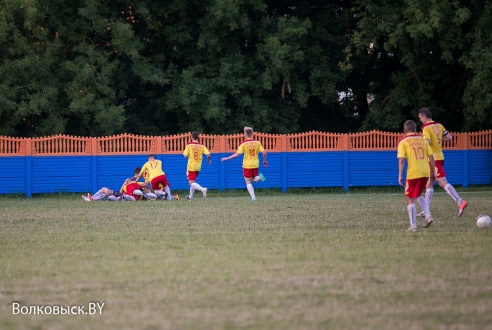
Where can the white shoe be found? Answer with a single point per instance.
(421, 214)
(205, 192)
(411, 230)
(428, 222)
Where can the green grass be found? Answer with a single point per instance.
(289, 261)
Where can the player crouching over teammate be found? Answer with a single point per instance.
(157, 177)
(251, 161)
(130, 191)
(194, 151)
(416, 150)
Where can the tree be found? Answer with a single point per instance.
(58, 73)
(410, 54)
(153, 68)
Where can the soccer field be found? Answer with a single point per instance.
(288, 261)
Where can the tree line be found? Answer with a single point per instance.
(102, 67)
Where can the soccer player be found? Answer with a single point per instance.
(156, 176)
(194, 151)
(435, 133)
(251, 161)
(102, 194)
(416, 150)
(106, 193)
(131, 191)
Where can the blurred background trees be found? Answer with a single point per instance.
(94, 68)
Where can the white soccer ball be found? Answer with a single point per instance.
(483, 221)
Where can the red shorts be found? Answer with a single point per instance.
(415, 187)
(130, 188)
(161, 179)
(440, 173)
(250, 173)
(192, 175)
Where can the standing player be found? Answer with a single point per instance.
(157, 176)
(435, 133)
(194, 151)
(416, 150)
(251, 161)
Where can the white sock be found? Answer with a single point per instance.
(256, 179)
(168, 190)
(429, 196)
(197, 186)
(425, 207)
(99, 195)
(452, 193)
(251, 190)
(192, 191)
(412, 215)
(112, 198)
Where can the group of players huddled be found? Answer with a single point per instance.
(156, 186)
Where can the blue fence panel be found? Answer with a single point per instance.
(48, 174)
(373, 168)
(61, 174)
(315, 169)
(453, 165)
(113, 170)
(479, 167)
(13, 175)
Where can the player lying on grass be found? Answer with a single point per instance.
(130, 190)
(134, 191)
(102, 194)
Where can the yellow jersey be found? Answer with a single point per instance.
(416, 150)
(154, 169)
(434, 132)
(250, 148)
(194, 151)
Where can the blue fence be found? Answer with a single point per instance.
(48, 174)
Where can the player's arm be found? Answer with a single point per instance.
(446, 136)
(234, 155)
(127, 181)
(142, 170)
(401, 166)
(426, 134)
(207, 153)
(265, 163)
(432, 165)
